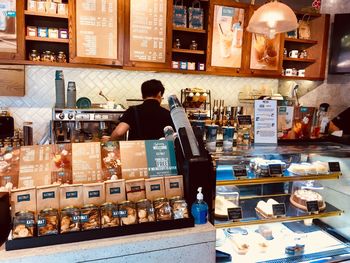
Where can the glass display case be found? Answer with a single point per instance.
(290, 198)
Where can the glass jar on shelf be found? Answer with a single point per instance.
(48, 222)
(145, 211)
(34, 55)
(109, 215)
(23, 224)
(61, 57)
(127, 213)
(177, 43)
(46, 56)
(194, 45)
(162, 209)
(70, 219)
(90, 217)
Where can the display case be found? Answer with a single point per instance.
(290, 198)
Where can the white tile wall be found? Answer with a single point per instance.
(120, 85)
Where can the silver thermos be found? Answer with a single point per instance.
(71, 95)
(60, 90)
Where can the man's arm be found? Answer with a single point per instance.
(119, 131)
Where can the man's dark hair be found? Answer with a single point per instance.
(151, 88)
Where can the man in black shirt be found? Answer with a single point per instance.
(147, 120)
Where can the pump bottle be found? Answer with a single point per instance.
(199, 209)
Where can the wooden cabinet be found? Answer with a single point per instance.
(12, 80)
(12, 30)
(314, 63)
(43, 34)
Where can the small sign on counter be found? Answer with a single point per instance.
(239, 171)
(279, 209)
(312, 206)
(265, 125)
(334, 167)
(244, 120)
(275, 169)
(235, 213)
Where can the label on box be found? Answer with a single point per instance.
(279, 209)
(115, 213)
(244, 120)
(175, 64)
(183, 65)
(174, 185)
(41, 222)
(235, 213)
(84, 218)
(334, 166)
(135, 188)
(114, 190)
(155, 187)
(312, 206)
(123, 213)
(48, 195)
(93, 194)
(23, 198)
(73, 194)
(275, 169)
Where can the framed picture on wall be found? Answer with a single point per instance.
(227, 36)
(264, 52)
(8, 36)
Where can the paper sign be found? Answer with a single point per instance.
(265, 125)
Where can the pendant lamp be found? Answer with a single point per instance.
(273, 18)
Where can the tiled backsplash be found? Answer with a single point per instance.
(36, 105)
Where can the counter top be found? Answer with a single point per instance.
(183, 245)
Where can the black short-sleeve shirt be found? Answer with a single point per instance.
(152, 120)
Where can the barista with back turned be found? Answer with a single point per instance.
(147, 120)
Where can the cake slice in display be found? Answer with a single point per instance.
(265, 208)
(221, 206)
(301, 196)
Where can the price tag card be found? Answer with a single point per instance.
(239, 171)
(275, 169)
(312, 206)
(244, 119)
(279, 209)
(334, 167)
(235, 213)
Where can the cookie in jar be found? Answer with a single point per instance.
(179, 208)
(145, 211)
(90, 217)
(23, 224)
(109, 215)
(162, 209)
(70, 219)
(48, 222)
(127, 213)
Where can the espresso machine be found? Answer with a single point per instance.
(83, 125)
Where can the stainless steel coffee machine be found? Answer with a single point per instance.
(83, 125)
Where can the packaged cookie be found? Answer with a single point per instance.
(47, 197)
(94, 194)
(135, 189)
(71, 195)
(90, 217)
(115, 191)
(70, 219)
(48, 220)
(162, 209)
(110, 155)
(127, 213)
(109, 215)
(173, 186)
(23, 199)
(23, 224)
(154, 188)
(179, 209)
(145, 211)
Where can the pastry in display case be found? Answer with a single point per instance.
(226, 197)
(304, 192)
(265, 208)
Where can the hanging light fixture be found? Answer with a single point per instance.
(273, 18)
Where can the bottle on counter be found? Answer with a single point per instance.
(28, 133)
(199, 209)
(71, 95)
(180, 120)
(60, 90)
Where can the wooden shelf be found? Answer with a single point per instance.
(46, 39)
(251, 217)
(304, 60)
(300, 78)
(192, 30)
(31, 13)
(283, 179)
(303, 41)
(188, 51)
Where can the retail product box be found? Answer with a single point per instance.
(47, 196)
(61, 165)
(34, 166)
(9, 166)
(302, 123)
(174, 186)
(154, 188)
(115, 191)
(23, 199)
(285, 121)
(111, 165)
(86, 162)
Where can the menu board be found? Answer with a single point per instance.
(86, 164)
(265, 128)
(96, 24)
(148, 30)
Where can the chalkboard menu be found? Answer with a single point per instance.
(148, 30)
(96, 26)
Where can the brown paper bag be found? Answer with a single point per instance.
(154, 188)
(115, 191)
(94, 194)
(23, 199)
(47, 197)
(135, 189)
(174, 186)
(71, 195)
